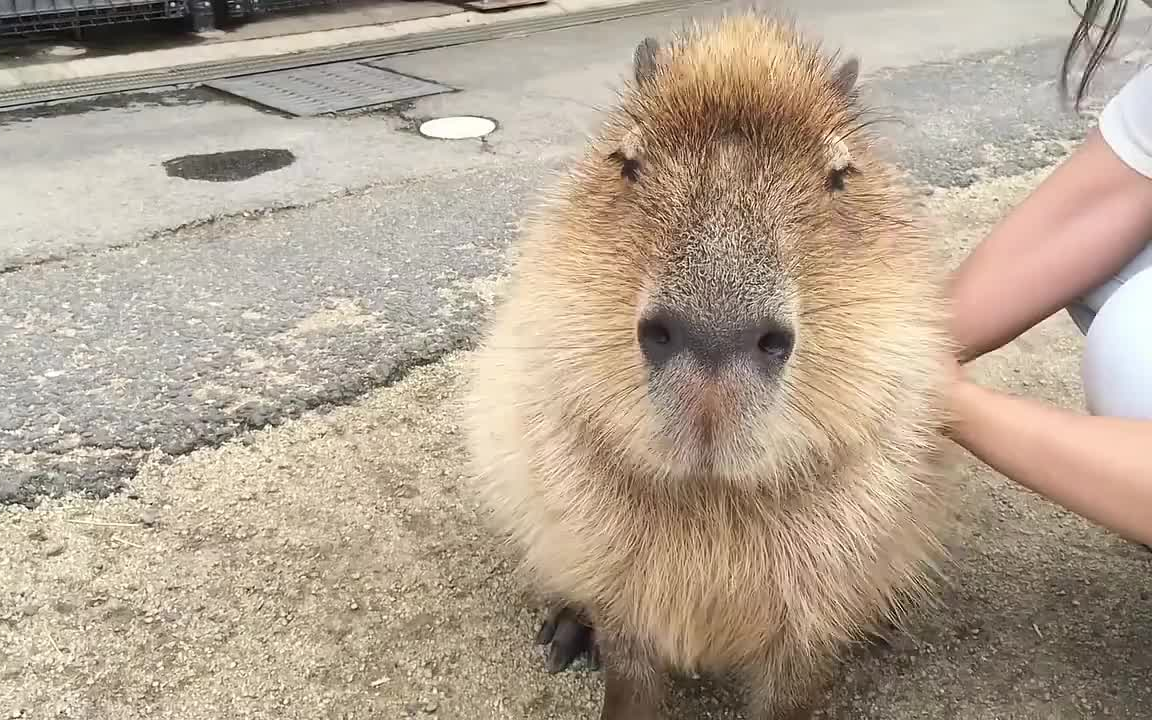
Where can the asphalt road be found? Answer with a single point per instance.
(149, 315)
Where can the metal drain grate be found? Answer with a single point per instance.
(329, 88)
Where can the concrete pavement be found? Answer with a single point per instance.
(148, 310)
(161, 335)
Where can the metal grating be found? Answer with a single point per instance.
(330, 88)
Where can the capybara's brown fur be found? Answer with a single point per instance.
(709, 508)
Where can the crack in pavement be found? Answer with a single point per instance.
(172, 233)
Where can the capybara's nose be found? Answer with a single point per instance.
(664, 334)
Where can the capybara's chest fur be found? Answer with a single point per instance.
(709, 581)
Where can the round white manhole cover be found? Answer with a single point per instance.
(64, 51)
(457, 128)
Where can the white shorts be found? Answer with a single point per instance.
(1115, 317)
(1116, 367)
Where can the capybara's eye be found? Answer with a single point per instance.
(629, 167)
(838, 177)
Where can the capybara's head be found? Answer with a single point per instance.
(730, 281)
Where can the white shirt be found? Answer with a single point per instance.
(1126, 123)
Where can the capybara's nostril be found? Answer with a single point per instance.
(661, 335)
(654, 331)
(774, 344)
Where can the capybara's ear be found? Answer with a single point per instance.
(845, 77)
(839, 162)
(645, 60)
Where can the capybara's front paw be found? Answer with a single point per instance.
(569, 635)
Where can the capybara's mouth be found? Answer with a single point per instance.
(697, 435)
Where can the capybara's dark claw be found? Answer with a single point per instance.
(569, 637)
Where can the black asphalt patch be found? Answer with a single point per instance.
(229, 166)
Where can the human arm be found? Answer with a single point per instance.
(1083, 223)
(1097, 467)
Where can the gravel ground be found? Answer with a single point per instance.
(334, 567)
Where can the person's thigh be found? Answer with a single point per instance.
(1116, 367)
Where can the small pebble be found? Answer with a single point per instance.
(53, 549)
(149, 516)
